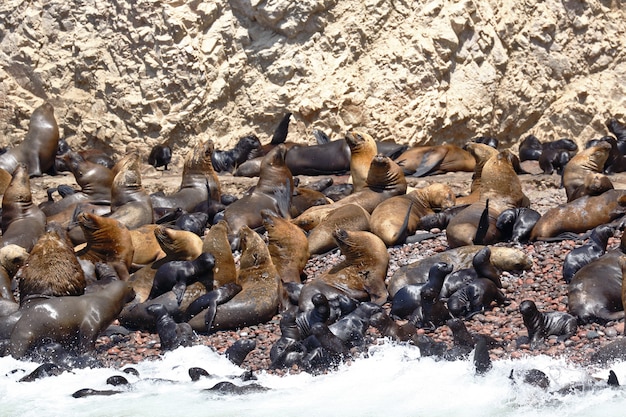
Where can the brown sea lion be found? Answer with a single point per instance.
(384, 179)
(145, 244)
(107, 240)
(580, 215)
(505, 259)
(73, 321)
(348, 217)
(273, 191)
(362, 150)
(22, 222)
(259, 298)
(501, 187)
(303, 198)
(12, 257)
(39, 147)
(130, 203)
(52, 268)
(288, 246)
(587, 162)
(398, 217)
(199, 181)
(216, 242)
(481, 153)
(420, 161)
(361, 275)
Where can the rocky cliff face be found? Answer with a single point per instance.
(128, 74)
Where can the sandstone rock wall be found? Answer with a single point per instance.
(127, 74)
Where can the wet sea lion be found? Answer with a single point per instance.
(593, 249)
(420, 161)
(22, 222)
(258, 300)
(588, 162)
(481, 268)
(474, 298)
(409, 298)
(389, 222)
(171, 334)
(580, 215)
(273, 192)
(247, 147)
(73, 321)
(362, 150)
(516, 224)
(199, 181)
(182, 274)
(38, 149)
(540, 325)
(348, 217)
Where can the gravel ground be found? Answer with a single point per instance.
(542, 284)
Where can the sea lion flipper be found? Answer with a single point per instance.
(483, 225)
(430, 161)
(280, 134)
(612, 381)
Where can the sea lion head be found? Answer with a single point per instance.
(598, 155)
(198, 161)
(18, 190)
(441, 196)
(254, 251)
(358, 139)
(384, 174)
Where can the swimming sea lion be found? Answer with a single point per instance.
(73, 321)
(38, 149)
(420, 161)
(541, 325)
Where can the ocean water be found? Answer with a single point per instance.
(390, 380)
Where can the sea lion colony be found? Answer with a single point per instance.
(142, 267)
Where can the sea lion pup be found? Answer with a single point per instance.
(107, 240)
(259, 298)
(130, 203)
(39, 147)
(592, 250)
(288, 246)
(588, 162)
(619, 130)
(465, 341)
(73, 321)
(420, 161)
(183, 273)
(529, 149)
(516, 224)
(52, 268)
(481, 268)
(238, 351)
(387, 220)
(12, 257)
(160, 156)
(21, 221)
(199, 181)
(503, 258)
(361, 275)
(247, 147)
(384, 179)
(541, 325)
(171, 334)
(362, 150)
(474, 298)
(273, 191)
(580, 215)
(348, 217)
(408, 298)
(501, 187)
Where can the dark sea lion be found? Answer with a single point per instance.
(52, 269)
(529, 149)
(482, 361)
(216, 243)
(347, 217)
(481, 268)
(182, 274)
(587, 162)
(474, 298)
(486, 140)
(408, 298)
(130, 203)
(238, 351)
(540, 325)
(516, 224)
(361, 275)
(616, 161)
(247, 147)
(280, 134)
(135, 314)
(420, 161)
(554, 160)
(171, 334)
(22, 222)
(593, 249)
(619, 130)
(362, 150)
(160, 156)
(351, 328)
(258, 300)
(332, 343)
(73, 321)
(273, 191)
(332, 158)
(580, 215)
(388, 218)
(288, 246)
(208, 303)
(39, 148)
(199, 181)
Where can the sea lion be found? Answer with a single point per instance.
(616, 161)
(145, 244)
(505, 259)
(332, 158)
(481, 268)
(516, 224)
(12, 257)
(619, 130)
(303, 198)
(171, 334)
(554, 160)
(362, 150)
(22, 222)
(199, 181)
(238, 351)
(580, 215)
(420, 161)
(593, 249)
(389, 222)
(348, 217)
(481, 153)
(39, 148)
(540, 325)
(216, 243)
(259, 298)
(73, 321)
(409, 298)
(529, 148)
(361, 275)
(474, 298)
(182, 274)
(130, 203)
(52, 269)
(288, 246)
(273, 191)
(160, 156)
(587, 162)
(247, 147)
